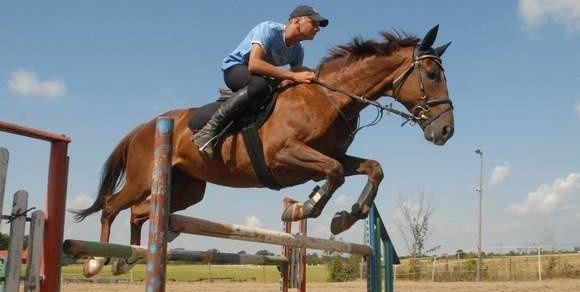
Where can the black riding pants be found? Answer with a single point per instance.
(238, 77)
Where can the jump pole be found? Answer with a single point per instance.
(159, 215)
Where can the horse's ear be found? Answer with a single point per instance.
(429, 38)
(440, 50)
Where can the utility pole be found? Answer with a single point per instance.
(480, 191)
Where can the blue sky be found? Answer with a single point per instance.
(94, 70)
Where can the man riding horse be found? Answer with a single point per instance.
(248, 70)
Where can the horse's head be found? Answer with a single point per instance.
(422, 88)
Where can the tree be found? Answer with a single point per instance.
(415, 227)
(4, 241)
(343, 269)
(264, 252)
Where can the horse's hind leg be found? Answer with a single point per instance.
(360, 210)
(185, 191)
(133, 192)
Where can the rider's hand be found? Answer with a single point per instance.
(285, 82)
(303, 77)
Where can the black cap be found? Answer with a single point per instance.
(305, 10)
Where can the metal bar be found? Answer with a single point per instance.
(179, 223)
(388, 256)
(4, 158)
(16, 241)
(373, 259)
(55, 214)
(80, 248)
(32, 281)
(160, 196)
(32, 133)
(303, 226)
(385, 236)
(287, 252)
(378, 252)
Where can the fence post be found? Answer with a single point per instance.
(539, 263)
(160, 197)
(36, 234)
(16, 241)
(4, 157)
(375, 257)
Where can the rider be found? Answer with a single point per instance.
(256, 60)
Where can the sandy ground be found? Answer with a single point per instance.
(401, 286)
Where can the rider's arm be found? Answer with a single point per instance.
(258, 65)
(300, 69)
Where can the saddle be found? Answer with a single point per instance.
(255, 114)
(252, 119)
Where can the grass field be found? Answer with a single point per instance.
(358, 286)
(517, 268)
(181, 278)
(514, 268)
(189, 273)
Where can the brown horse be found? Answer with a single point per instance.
(305, 138)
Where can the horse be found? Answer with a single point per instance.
(305, 138)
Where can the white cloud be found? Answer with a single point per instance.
(254, 221)
(27, 83)
(80, 201)
(549, 198)
(578, 108)
(499, 174)
(535, 13)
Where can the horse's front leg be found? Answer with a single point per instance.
(299, 156)
(354, 165)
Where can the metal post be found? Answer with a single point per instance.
(55, 213)
(480, 191)
(4, 157)
(539, 263)
(160, 197)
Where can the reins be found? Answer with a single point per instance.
(411, 117)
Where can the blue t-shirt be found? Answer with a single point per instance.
(269, 35)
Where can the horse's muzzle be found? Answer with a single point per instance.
(438, 133)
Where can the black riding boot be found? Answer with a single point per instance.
(205, 139)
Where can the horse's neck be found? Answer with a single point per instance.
(367, 78)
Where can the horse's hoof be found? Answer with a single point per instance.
(93, 266)
(293, 212)
(341, 221)
(122, 266)
(172, 235)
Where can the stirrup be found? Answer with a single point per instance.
(212, 139)
(208, 143)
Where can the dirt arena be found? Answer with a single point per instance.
(548, 285)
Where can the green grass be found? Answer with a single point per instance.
(263, 274)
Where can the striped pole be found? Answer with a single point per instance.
(160, 192)
(81, 248)
(191, 225)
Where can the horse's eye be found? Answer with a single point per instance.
(433, 74)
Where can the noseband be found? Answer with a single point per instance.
(420, 112)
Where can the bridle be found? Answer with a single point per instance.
(420, 111)
(418, 114)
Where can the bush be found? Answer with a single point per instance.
(343, 269)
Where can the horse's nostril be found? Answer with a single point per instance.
(445, 131)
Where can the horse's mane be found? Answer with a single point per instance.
(359, 48)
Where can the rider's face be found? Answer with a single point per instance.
(308, 27)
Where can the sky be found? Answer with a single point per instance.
(95, 70)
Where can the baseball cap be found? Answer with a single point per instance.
(305, 10)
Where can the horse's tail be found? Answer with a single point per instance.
(111, 176)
